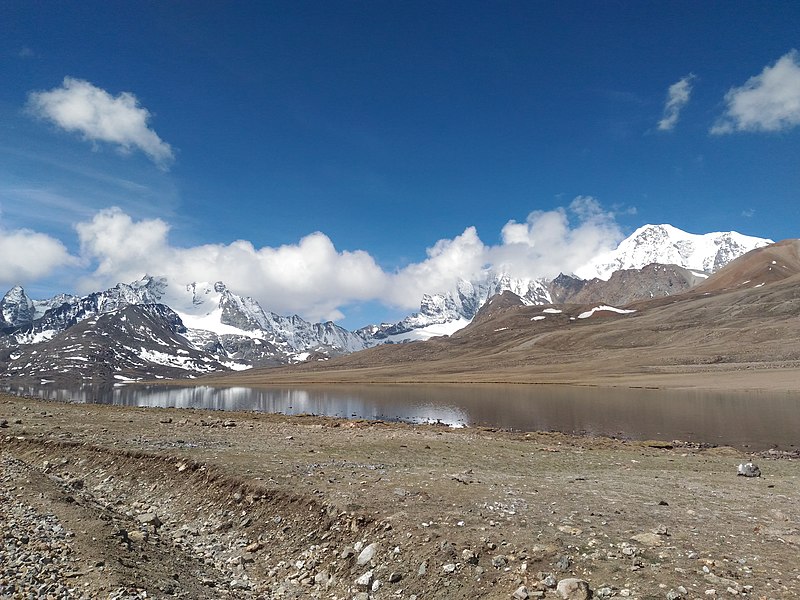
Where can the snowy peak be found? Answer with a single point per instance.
(665, 244)
(468, 297)
(16, 308)
(229, 320)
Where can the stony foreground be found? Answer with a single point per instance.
(112, 502)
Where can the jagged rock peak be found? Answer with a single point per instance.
(16, 308)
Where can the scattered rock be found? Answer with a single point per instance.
(395, 577)
(723, 582)
(574, 589)
(322, 578)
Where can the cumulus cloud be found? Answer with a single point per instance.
(556, 241)
(29, 255)
(80, 107)
(311, 277)
(447, 260)
(316, 280)
(678, 96)
(769, 101)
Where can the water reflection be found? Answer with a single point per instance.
(755, 420)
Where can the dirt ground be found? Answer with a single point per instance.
(115, 502)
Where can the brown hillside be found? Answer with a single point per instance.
(761, 266)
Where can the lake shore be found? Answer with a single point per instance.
(778, 377)
(210, 504)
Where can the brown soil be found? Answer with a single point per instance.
(257, 506)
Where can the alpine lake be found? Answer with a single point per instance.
(746, 420)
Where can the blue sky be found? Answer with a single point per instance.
(338, 159)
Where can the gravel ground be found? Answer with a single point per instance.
(114, 502)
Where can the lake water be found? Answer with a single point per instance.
(746, 420)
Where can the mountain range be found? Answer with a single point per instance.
(152, 328)
(737, 330)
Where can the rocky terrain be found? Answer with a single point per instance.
(109, 502)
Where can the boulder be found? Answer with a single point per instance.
(573, 589)
(749, 470)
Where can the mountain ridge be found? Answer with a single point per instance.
(235, 332)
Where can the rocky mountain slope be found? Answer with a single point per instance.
(138, 341)
(214, 329)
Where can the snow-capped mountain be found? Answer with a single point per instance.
(668, 245)
(445, 313)
(212, 329)
(214, 314)
(134, 342)
(64, 311)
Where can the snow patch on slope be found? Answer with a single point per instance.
(603, 307)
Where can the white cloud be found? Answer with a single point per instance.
(769, 101)
(29, 255)
(678, 96)
(311, 277)
(556, 241)
(464, 256)
(315, 279)
(78, 106)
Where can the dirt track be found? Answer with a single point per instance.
(261, 506)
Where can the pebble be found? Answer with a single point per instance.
(367, 554)
(365, 581)
(499, 561)
(521, 593)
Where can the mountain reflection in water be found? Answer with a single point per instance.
(751, 420)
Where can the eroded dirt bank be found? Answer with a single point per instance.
(101, 501)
